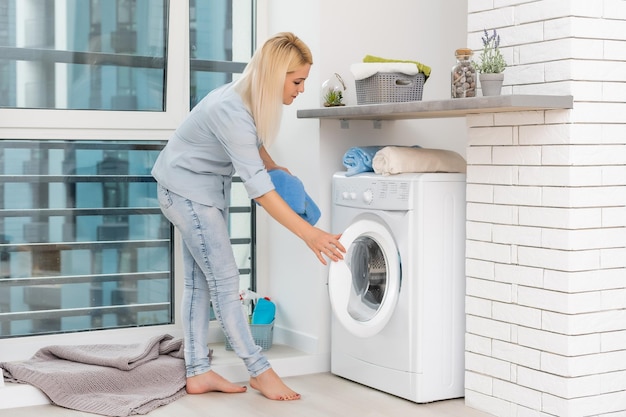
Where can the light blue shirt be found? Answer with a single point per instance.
(217, 139)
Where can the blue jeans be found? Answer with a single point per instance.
(211, 273)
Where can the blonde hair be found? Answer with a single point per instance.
(262, 83)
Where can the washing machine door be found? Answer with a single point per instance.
(364, 286)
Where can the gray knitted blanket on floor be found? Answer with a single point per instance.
(112, 380)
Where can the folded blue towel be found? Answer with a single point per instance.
(359, 159)
(291, 189)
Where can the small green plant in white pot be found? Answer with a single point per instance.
(491, 65)
(332, 91)
(333, 98)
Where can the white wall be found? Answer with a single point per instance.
(341, 33)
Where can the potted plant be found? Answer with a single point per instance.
(333, 98)
(491, 64)
(332, 91)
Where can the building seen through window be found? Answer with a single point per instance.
(111, 57)
(84, 245)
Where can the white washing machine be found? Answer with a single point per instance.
(398, 319)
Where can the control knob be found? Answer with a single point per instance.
(368, 196)
(348, 195)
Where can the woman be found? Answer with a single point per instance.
(228, 132)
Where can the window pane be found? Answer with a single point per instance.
(83, 243)
(220, 42)
(220, 45)
(241, 231)
(83, 54)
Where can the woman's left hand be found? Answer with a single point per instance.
(275, 167)
(269, 163)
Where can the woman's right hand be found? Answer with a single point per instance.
(320, 242)
(324, 244)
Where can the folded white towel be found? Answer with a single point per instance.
(399, 159)
(367, 69)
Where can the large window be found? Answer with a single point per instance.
(90, 90)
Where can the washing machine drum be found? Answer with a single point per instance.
(364, 287)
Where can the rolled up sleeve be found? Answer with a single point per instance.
(259, 184)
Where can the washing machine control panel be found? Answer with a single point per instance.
(378, 193)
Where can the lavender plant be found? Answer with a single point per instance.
(491, 59)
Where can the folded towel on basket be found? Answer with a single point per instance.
(421, 67)
(291, 189)
(397, 159)
(358, 159)
(361, 71)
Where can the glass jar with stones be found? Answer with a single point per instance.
(463, 75)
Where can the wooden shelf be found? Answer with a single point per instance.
(440, 108)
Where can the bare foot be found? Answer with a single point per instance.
(210, 382)
(269, 384)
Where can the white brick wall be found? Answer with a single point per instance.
(546, 216)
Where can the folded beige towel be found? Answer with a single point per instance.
(399, 159)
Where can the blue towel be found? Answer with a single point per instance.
(291, 189)
(359, 159)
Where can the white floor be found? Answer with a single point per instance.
(323, 394)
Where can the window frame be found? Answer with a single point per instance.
(53, 123)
